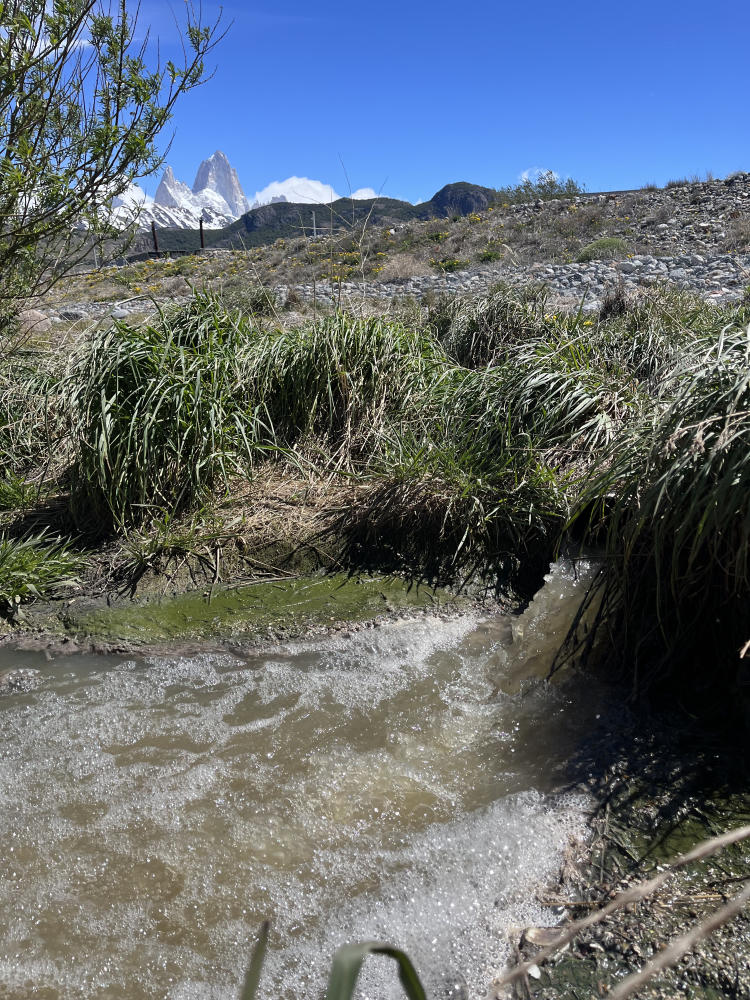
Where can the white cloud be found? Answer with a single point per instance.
(304, 191)
(301, 190)
(132, 198)
(533, 174)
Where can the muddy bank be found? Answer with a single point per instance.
(666, 787)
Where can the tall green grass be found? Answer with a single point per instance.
(159, 413)
(342, 379)
(475, 435)
(672, 495)
(35, 567)
(474, 331)
(31, 420)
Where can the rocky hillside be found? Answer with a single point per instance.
(694, 236)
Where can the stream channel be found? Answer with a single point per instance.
(404, 782)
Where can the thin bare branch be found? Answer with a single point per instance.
(634, 894)
(681, 946)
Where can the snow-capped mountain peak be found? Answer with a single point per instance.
(216, 197)
(172, 193)
(216, 174)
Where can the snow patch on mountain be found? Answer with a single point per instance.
(216, 197)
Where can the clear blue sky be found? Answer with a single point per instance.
(411, 95)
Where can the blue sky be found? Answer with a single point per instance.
(405, 97)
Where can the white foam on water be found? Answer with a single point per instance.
(153, 813)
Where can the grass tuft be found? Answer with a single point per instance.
(671, 494)
(605, 248)
(35, 567)
(159, 413)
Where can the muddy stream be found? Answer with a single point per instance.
(392, 783)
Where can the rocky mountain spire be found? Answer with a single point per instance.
(217, 174)
(171, 193)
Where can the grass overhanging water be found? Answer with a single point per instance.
(470, 434)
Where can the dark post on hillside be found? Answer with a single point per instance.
(203, 242)
(153, 233)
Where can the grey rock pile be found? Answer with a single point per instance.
(719, 278)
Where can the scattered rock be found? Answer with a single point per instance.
(33, 321)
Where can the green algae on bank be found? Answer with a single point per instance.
(253, 610)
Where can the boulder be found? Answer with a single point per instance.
(33, 321)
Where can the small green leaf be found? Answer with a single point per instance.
(348, 961)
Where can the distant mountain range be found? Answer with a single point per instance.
(267, 223)
(216, 196)
(295, 207)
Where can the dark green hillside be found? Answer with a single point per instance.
(461, 199)
(285, 220)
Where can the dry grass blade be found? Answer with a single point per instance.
(681, 946)
(632, 895)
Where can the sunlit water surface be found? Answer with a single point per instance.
(380, 785)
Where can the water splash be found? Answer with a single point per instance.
(152, 813)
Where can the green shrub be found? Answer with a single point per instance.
(546, 186)
(449, 264)
(605, 248)
(15, 492)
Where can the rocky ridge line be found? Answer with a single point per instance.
(686, 228)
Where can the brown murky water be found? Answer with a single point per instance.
(153, 812)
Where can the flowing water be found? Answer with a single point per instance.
(381, 784)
